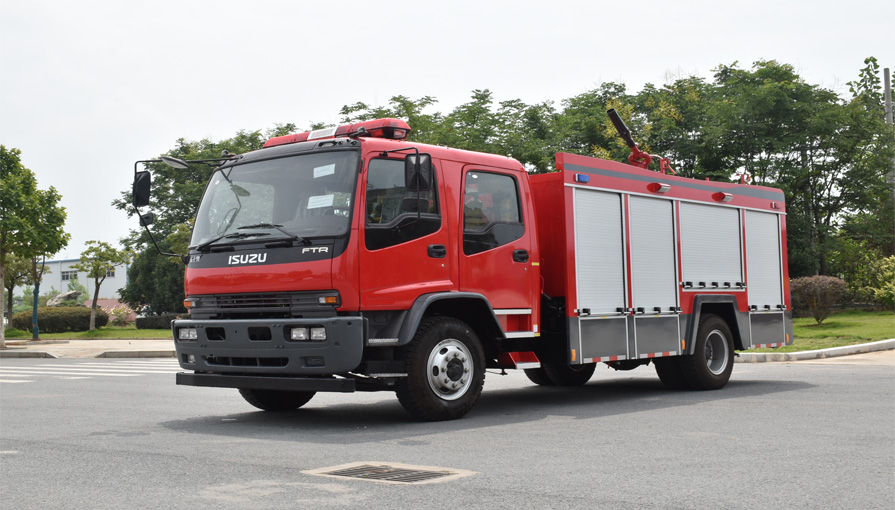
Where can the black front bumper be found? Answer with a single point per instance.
(267, 383)
(263, 347)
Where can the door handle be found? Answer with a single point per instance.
(437, 251)
(520, 255)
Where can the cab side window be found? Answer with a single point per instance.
(491, 212)
(393, 214)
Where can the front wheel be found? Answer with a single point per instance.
(445, 367)
(276, 400)
(710, 365)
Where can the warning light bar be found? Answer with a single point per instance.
(392, 129)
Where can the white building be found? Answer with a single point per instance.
(60, 273)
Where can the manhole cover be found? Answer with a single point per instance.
(389, 472)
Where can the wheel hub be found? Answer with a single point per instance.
(450, 369)
(716, 352)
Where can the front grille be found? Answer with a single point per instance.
(262, 305)
(228, 361)
(250, 301)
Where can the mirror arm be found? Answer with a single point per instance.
(136, 210)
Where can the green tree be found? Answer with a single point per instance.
(98, 260)
(31, 219)
(154, 281)
(17, 272)
(678, 116)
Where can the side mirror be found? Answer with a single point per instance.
(418, 172)
(142, 183)
(147, 219)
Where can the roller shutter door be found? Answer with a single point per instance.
(653, 261)
(599, 253)
(710, 244)
(763, 259)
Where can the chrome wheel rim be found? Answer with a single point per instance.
(450, 369)
(716, 352)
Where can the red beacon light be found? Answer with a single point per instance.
(392, 129)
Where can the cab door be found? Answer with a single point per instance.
(404, 251)
(496, 257)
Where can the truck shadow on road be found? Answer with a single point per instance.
(379, 416)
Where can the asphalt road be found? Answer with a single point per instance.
(120, 434)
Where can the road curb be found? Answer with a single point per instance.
(11, 352)
(137, 354)
(763, 357)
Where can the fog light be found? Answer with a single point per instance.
(318, 334)
(187, 334)
(299, 334)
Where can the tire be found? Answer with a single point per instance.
(670, 373)
(445, 367)
(569, 375)
(711, 364)
(539, 376)
(276, 400)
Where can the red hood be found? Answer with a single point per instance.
(308, 275)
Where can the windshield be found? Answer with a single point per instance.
(306, 195)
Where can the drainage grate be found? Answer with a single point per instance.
(391, 473)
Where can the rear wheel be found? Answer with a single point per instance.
(670, 373)
(569, 375)
(539, 376)
(445, 367)
(276, 400)
(711, 364)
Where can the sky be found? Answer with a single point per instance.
(89, 87)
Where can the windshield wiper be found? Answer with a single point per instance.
(233, 235)
(280, 228)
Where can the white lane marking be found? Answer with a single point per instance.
(73, 368)
(56, 372)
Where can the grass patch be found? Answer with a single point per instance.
(848, 327)
(104, 332)
(16, 333)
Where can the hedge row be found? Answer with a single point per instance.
(53, 319)
(162, 321)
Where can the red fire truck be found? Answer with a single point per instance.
(349, 259)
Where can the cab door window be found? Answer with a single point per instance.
(393, 214)
(491, 212)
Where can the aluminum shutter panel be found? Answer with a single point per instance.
(599, 255)
(763, 259)
(653, 261)
(710, 244)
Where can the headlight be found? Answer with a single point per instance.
(187, 334)
(303, 334)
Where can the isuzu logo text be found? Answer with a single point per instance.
(251, 258)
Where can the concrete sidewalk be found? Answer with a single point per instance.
(100, 348)
(164, 348)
